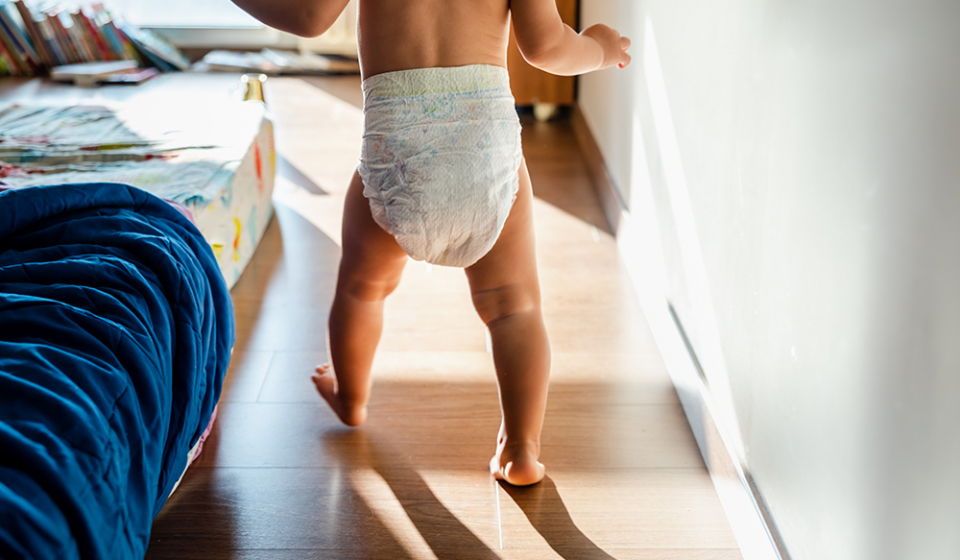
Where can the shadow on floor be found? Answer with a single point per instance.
(447, 537)
(544, 508)
(290, 172)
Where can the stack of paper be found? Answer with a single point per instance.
(273, 62)
(89, 74)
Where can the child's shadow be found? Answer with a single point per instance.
(446, 535)
(544, 508)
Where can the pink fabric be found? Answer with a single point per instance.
(183, 210)
(203, 436)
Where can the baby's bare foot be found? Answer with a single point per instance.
(516, 462)
(351, 414)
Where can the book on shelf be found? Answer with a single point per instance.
(15, 42)
(7, 63)
(12, 18)
(15, 62)
(53, 44)
(95, 36)
(130, 52)
(36, 37)
(73, 55)
(33, 41)
(117, 46)
(160, 52)
(79, 36)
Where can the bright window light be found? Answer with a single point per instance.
(172, 13)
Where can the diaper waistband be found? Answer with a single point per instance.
(443, 80)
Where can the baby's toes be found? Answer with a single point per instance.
(326, 385)
(495, 468)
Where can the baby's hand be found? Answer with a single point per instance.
(614, 46)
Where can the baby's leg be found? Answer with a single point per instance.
(506, 294)
(370, 270)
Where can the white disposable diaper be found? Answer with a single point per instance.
(439, 162)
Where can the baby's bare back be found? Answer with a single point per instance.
(405, 34)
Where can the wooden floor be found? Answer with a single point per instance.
(280, 478)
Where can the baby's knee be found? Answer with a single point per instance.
(505, 301)
(364, 289)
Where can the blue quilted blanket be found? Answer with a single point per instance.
(115, 334)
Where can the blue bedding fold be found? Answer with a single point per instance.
(115, 334)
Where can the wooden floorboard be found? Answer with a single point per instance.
(281, 479)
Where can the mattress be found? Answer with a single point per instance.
(218, 160)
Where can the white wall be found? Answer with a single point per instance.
(804, 163)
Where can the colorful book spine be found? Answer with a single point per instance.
(98, 40)
(53, 20)
(56, 19)
(7, 65)
(35, 35)
(31, 28)
(19, 27)
(6, 38)
(17, 40)
(79, 34)
(46, 30)
(128, 47)
(116, 45)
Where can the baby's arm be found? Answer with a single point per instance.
(307, 18)
(551, 45)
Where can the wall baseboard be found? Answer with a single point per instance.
(749, 520)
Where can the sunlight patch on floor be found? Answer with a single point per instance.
(375, 491)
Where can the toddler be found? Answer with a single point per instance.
(442, 179)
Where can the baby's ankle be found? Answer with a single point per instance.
(516, 443)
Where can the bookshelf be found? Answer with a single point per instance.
(33, 41)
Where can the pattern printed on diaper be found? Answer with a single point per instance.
(439, 161)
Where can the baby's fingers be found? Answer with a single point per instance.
(624, 57)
